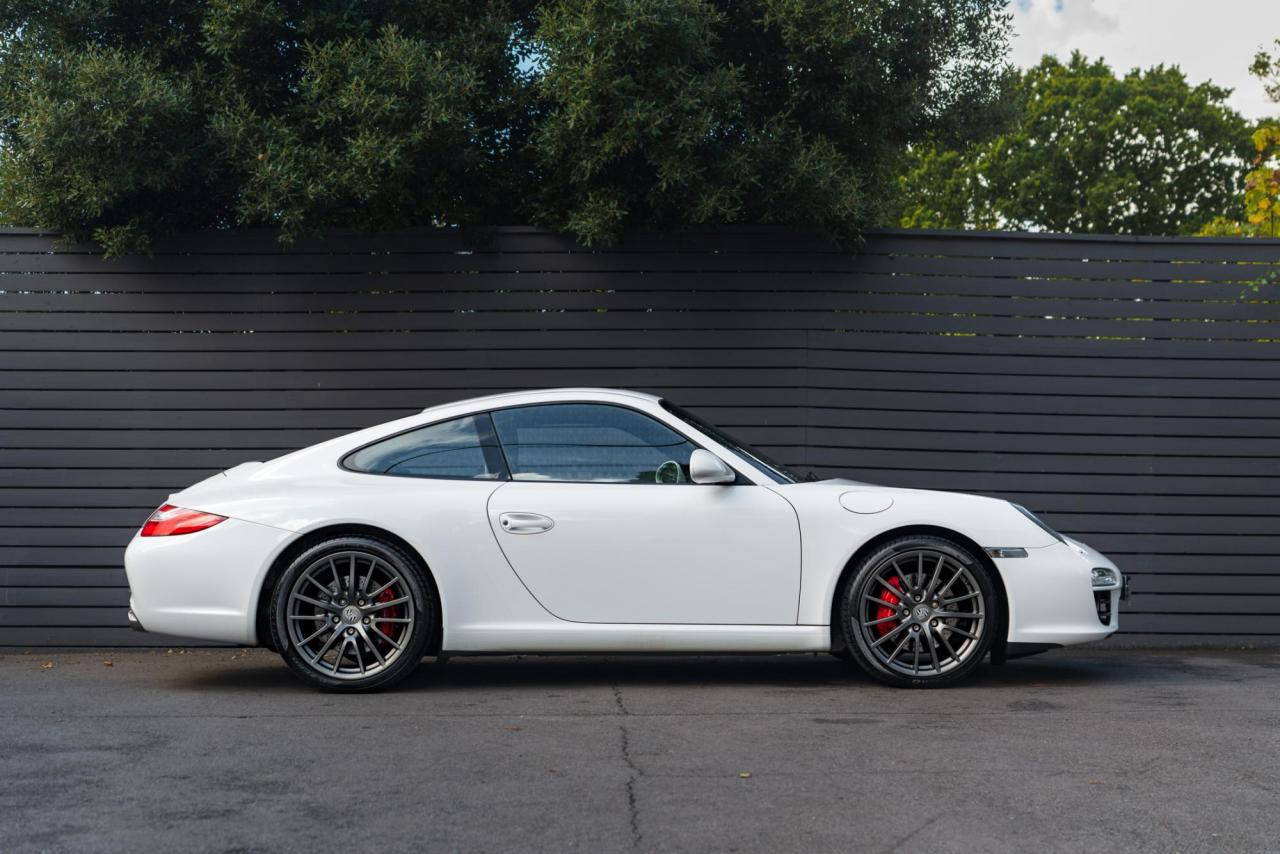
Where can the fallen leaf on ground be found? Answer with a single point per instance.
(108, 663)
(513, 728)
(48, 665)
(1095, 782)
(744, 774)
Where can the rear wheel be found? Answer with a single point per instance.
(919, 612)
(353, 614)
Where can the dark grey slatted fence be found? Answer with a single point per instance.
(1128, 389)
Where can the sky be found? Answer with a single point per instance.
(1209, 39)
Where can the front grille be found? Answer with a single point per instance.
(1102, 600)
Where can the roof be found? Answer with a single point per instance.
(506, 396)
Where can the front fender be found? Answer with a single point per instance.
(832, 534)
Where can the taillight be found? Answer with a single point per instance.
(170, 521)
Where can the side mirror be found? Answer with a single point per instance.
(706, 467)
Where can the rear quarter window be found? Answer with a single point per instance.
(461, 449)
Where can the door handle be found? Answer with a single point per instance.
(525, 523)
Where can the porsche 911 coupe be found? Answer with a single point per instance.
(599, 521)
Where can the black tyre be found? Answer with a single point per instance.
(353, 614)
(919, 612)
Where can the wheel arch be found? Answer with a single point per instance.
(304, 541)
(999, 643)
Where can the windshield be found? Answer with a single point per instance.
(775, 471)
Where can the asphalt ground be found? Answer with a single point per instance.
(1091, 749)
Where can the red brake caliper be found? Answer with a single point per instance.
(391, 630)
(883, 612)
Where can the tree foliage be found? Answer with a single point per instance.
(1261, 198)
(1146, 153)
(1266, 67)
(680, 112)
(122, 119)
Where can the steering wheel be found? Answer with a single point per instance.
(669, 472)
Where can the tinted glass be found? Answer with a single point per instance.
(591, 442)
(775, 471)
(462, 448)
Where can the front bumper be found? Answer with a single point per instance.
(1052, 599)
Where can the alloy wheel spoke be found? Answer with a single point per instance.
(889, 636)
(958, 615)
(325, 606)
(373, 646)
(906, 585)
(887, 604)
(309, 638)
(310, 576)
(355, 644)
(944, 602)
(962, 632)
(397, 647)
(333, 637)
(373, 593)
(880, 621)
(887, 586)
(933, 652)
(897, 649)
(937, 573)
(959, 572)
(380, 606)
(947, 645)
(351, 578)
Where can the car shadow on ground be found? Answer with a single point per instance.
(533, 672)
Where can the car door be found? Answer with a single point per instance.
(602, 524)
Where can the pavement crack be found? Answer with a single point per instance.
(634, 772)
(617, 699)
(897, 846)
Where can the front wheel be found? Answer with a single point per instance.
(919, 612)
(353, 614)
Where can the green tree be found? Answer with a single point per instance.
(1266, 67)
(674, 113)
(1088, 151)
(123, 119)
(1261, 198)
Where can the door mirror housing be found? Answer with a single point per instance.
(706, 467)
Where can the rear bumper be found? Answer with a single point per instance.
(203, 585)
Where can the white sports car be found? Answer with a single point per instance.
(593, 520)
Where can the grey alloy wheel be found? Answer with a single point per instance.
(919, 611)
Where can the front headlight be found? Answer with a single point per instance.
(1105, 578)
(1041, 525)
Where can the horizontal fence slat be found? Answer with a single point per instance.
(601, 319)
(1229, 603)
(109, 598)
(71, 579)
(83, 636)
(65, 309)
(17, 616)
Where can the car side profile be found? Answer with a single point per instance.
(597, 520)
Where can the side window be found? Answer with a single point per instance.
(464, 448)
(591, 442)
